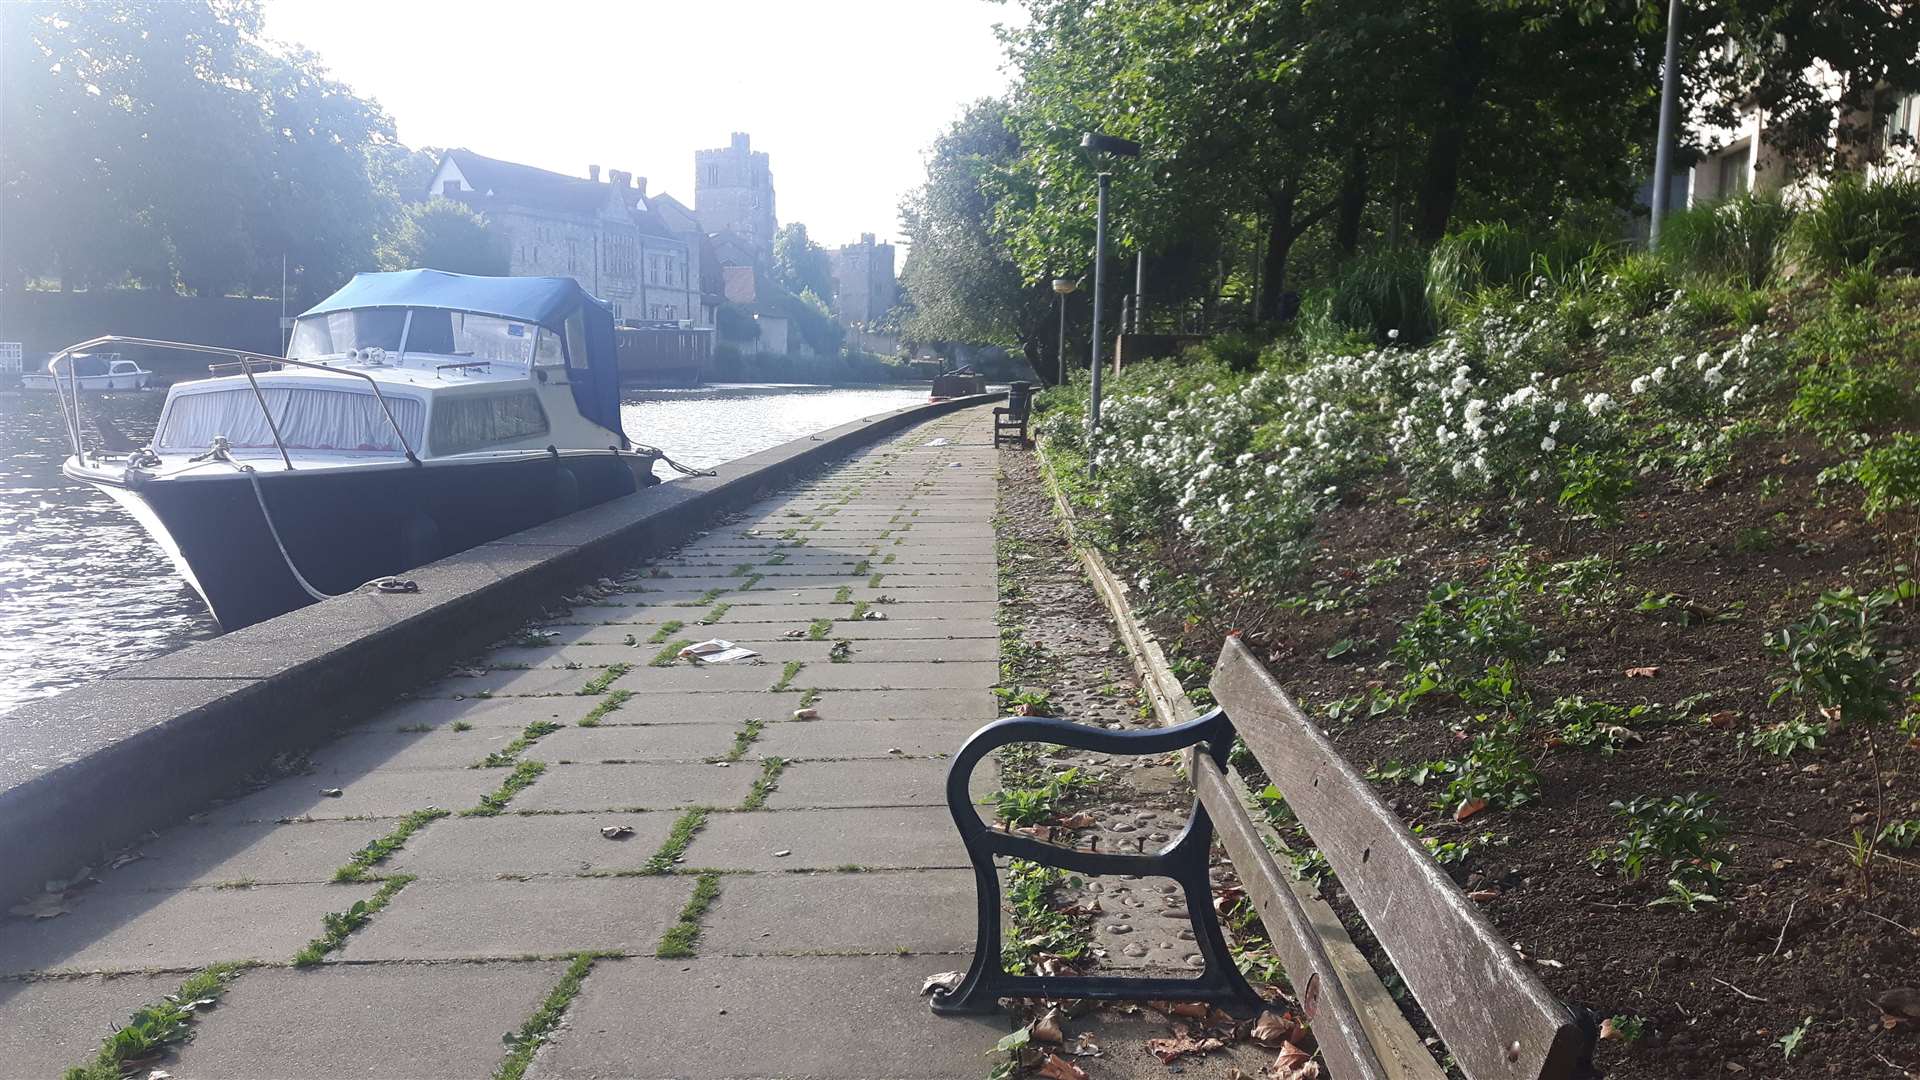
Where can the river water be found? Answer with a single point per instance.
(83, 590)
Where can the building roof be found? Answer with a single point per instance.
(674, 213)
(524, 185)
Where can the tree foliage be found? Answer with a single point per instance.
(964, 283)
(165, 144)
(441, 234)
(799, 264)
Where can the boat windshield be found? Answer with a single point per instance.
(437, 331)
(309, 418)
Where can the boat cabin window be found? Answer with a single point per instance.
(310, 418)
(334, 333)
(472, 421)
(471, 337)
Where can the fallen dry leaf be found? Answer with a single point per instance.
(1899, 1007)
(1608, 1031)
(1055, 1067)
(1196, 1010)
(945, 980)
(1483, 895)
(615, 832)
(1723, 719)
(1182, 1044)
(1047, 1028)
(1294, 1064)
(1469, 808)
(1077, 821)
(1643, 672)
(1274, 1028)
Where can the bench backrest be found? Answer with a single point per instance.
(1496, 1018)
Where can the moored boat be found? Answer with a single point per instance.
(88, 373)
(416, 414)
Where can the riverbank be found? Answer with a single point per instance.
(84, 590)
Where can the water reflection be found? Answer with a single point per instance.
(83, 590)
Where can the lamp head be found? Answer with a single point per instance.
(1063, 286)
(1109, 144)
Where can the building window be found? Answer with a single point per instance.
(1733, 173)
(713, 176)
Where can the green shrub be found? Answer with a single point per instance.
(1384, 294)
(1890, 473)
(1838, 398)
(1736, 239)
(1857, 221)
(1238, 350)
(1638, 285)
(1492, 254)
(1682, 831)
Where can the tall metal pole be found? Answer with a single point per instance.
(1060, 357)
(1099, 291)
(1663, 153)
(1139, 288)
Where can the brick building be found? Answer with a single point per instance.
(864, 286)
(605, 235)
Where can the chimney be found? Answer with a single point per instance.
(741, 141)
(866, 239)
(593, 173)
(618, 178)
(640, 185)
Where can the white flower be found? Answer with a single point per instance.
(1548, 444)
(1393, 335)
(1553, 428)
(1331, 489)
(1639, 385)
(1273, 469)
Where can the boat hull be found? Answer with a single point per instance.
(40, 382)
(345, 527)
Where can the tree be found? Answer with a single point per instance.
(441, 234)
(800, 265)
(964, 282)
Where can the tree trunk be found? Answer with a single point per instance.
(1460, 94)
(1273, 263)
(1045, 369)
(1354, 186)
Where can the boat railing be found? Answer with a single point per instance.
(245, 360)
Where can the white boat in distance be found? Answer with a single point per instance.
(88, 373)
(416, 414)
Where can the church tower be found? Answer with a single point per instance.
(733, 193)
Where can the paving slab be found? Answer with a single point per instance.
(443, 748)
(959, 675)
(884, 782)
(372, 1020)
(683, 678)
(732, 708)
(509, 682)
(189, 928)
(262, 852)
(638, 787)
(462, 920)
(522, 844)
(480, 712)
(50, 1025)
(379, 793)
(889, 838)
(799, 1017)
(926, 911)
(636, 742)
(978, 705)
(795, 739)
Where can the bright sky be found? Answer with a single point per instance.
(845, 95)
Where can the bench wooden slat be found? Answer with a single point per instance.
(1498, 1021)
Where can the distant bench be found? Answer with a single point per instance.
(1495, 1017)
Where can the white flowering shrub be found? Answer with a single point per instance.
(1224, 472)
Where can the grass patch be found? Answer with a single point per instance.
(860, 610)
(521, 778)
(742, 739)
(538, 1028)
(153, 1028)
(890, 557)
(599, 683)
(336, 925)
(676, 842)
(873, 581)
(808, 697)
(861, 567)
(666, 632)
(669, 652)
(461, 725)
(787, 673)
(413, 729)
(751, 581)
(718, 612)
(819, 630)
(507, 754)
(378, 851)
(703, 600)
(770, 770)
(740, 570)
(613, 700)
(678, 942)
(843, 595)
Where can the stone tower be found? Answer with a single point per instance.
(733, 193)
(864, 286)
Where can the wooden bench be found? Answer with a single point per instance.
(1010, 420)
(1495, 1017)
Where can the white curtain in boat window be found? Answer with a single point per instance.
(309, 419)
(470, 422)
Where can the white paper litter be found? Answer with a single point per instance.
(937, 442)
(716, 651)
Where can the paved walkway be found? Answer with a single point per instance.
(840, 881)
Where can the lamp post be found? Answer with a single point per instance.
(1118, 147)
(1663, 152)
(1064, 287)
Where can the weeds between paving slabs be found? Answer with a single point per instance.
(679, 940)
(335, 926)
(381, 849)
(1612, 587)
(153, 1029)
(524, 1042)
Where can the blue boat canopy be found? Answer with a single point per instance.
(543, 301)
